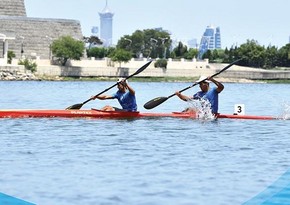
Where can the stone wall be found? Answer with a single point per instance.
(12, 8)
(36, 34)
(32, 35)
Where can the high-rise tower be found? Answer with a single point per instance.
(106, 20)
(218, 38)
(210, 40)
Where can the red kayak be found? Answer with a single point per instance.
(13, 113)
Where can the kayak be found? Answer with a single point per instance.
(93, 113)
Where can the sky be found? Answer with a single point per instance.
(267, 22)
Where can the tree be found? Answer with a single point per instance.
(147, 43)
(180, 51)
(120, 55)
(284, 56)
(97, 52)
(271, 57)
(66, 48)
(93, 40)
(192, 53)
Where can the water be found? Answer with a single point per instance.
(141, 161)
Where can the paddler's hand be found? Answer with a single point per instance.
(93, 97)
(177, 93)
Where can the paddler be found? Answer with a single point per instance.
(206, 92)
(125, 95)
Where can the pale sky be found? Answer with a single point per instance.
(267, 21)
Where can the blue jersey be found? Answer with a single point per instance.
(211, 96)
(126, 100)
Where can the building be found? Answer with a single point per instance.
(31, 37)
(218, 44)
(106, 26)
(210, 40)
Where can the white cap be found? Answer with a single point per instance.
(201, 78)
(121, 79)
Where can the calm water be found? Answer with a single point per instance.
(143, 161)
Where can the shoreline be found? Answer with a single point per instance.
(161, 79)
(237, 74)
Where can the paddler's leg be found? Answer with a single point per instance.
(108, 108)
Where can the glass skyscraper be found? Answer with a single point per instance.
(106, 27)
(210, 40)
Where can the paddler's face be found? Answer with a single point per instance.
(121, 87)
(204, 86)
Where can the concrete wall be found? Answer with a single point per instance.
(181, 68)
(105, 68)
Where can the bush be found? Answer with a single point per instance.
(96, 52)
(160, 63)
(28, 64)
(11, 55)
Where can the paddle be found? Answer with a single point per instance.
(159, 100)
(78, 106)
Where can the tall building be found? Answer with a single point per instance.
(218, 44)
(210, 40)
(106, 27)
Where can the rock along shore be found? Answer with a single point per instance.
(15, 75)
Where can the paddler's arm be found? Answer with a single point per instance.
(131, 90)
(181, 96)
(219, 85)
(102, 97)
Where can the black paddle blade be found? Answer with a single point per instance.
(75, 107)
(154, 102)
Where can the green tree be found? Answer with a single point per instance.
(284, 56)
(271, 57)
(180, 51)
(147, 43)
(252, 53)
(192, 53)
(230, 55)
(97, 52)
(66, 48)
(208, 55)
(120, 55)
(93, 40)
